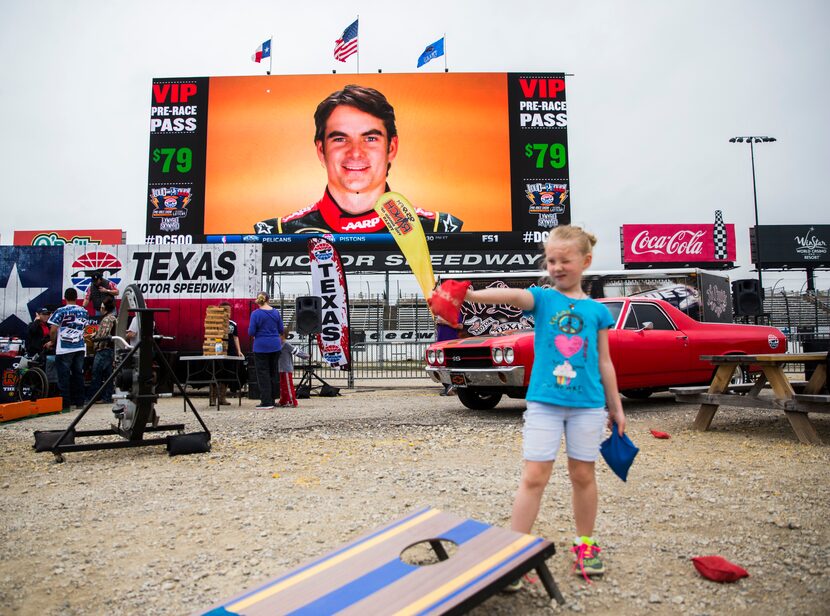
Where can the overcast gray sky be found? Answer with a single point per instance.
(658, 89)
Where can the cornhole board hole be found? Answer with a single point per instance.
(368, 576)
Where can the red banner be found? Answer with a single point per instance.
(53, 237)
(328, 281)
(682, 244)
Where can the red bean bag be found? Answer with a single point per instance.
(658, 434)
(447, 298)
(718, 569)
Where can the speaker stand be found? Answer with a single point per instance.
(306, 384)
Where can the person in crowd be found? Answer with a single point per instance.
(98, 289)
(265, 329)
(38, 341)
(103, 347)
(68, 302)
(571, 385)
(444, 330)
(288, 395)
(133, 335)
(67, 334)
(234, 350)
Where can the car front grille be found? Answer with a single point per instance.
(468, 358)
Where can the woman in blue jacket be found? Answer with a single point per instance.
(265, 329)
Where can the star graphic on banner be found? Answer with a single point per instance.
(21, 295)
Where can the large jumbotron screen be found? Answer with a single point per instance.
(486, 153)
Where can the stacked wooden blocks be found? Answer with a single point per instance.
(216, 328)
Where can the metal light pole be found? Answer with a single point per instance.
(752, 140)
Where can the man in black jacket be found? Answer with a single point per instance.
(37, 335)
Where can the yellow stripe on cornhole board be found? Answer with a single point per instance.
(457, 582)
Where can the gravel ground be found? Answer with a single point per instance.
(137, 532)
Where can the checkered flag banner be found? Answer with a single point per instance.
(719, 237)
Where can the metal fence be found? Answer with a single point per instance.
(378, 360)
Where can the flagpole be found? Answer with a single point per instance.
(358, 44)
(445, 52)
(271, 56)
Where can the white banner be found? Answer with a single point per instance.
(196, 271)
(328, 281)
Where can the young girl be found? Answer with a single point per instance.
(572, 380)
(285, 365)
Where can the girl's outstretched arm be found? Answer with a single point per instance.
(609, 384)
(520, 298)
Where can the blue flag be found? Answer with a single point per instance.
(432, 51)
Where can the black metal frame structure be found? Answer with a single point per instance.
(142, 394)
(309, 376)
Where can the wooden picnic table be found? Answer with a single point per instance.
(796, 399)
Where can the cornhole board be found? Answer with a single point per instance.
(27, 408)
(367, 576)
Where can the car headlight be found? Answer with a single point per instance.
(498, 356)
(509, 355)
(439, 356)
(430, 356)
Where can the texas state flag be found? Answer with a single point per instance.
(31, 277)
(262, 52)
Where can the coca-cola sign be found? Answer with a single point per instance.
(679, 244)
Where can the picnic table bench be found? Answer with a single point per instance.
(795, 398)
(367, 576)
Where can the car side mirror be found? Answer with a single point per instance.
(646, 325)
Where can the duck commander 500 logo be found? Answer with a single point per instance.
(546, 197)
(170, 201)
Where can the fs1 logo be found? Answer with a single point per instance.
(92, 262)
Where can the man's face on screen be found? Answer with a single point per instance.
(356, 152)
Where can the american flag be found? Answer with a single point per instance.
(346, 45)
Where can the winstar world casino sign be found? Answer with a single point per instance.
(687, 245)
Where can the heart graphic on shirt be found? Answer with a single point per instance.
(568, 346)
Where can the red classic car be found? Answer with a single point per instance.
(654, 346)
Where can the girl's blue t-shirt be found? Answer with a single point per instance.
(566, 366)
(265, 328)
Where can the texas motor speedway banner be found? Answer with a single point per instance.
(487, 151)
(183, 279)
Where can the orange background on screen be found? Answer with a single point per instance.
(453, 151)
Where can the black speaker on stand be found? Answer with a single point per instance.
(747, 298)
(308, 313)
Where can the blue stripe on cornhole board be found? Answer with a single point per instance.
(294, 572)
(386, 574)
(464, 531)
(360, 588)
(480, 577)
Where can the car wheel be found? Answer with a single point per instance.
(636, 394)
(478, 400)
(740, 376)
